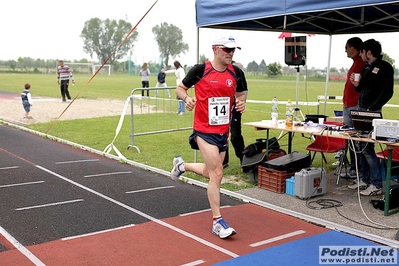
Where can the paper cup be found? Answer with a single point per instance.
(321, 120)
(357, 76)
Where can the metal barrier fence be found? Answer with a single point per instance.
(329, 97)
(157, 113)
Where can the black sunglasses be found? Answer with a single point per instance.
(227, 50)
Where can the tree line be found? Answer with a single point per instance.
(106, 39)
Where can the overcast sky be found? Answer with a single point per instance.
(49, 29)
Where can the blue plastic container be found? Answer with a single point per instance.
(290, 186)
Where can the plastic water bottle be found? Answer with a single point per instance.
(289, 114)
(274, 111)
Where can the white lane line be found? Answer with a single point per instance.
(106, 174)
(277, 238)
(22, 184)
(153, 219)
(148, 189)
(79, 161)
(98, 232)
(189, 213)
(21, 248)
(9, 167)
(197, 262)
(50, 204)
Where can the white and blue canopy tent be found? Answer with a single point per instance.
(316, 17)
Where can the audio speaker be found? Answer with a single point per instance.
(295, 50)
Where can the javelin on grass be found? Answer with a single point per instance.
(98, 70)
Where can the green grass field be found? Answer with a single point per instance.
(157, 150)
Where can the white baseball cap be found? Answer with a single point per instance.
(228, 42)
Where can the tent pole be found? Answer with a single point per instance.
(198, 45)
(297, 110)
(327, 76)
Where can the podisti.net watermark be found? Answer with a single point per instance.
(373, 255)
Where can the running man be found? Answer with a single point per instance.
(218, 89)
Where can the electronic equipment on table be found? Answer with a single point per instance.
(363, 121)
(385, 129)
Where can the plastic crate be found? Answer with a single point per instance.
(272, 180)
(290, 186)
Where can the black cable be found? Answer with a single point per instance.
(322, 204)
(330, 203)
(371, 226)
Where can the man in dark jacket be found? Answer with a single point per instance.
(236, 137)
(376, 89)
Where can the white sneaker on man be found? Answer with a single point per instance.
(222, 230)
(178, 168)
(371, 191)
(361, 184)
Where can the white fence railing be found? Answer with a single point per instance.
(156, 114)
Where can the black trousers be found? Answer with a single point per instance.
(145, 84)
(64, 90)
(236, 137)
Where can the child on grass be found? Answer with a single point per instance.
(26, 100)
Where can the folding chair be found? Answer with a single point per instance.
(325, 144)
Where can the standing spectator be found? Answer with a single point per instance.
(375, 88)
(64, 73)
(217, 87)
(26, 100)
(145, 79)
(180, 74)
(161, 82)
(350, 95)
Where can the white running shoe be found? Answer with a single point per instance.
(178, 168)
(221, 229)
(371, 191)
(361, 184)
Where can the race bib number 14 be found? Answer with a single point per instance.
(219, 110)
